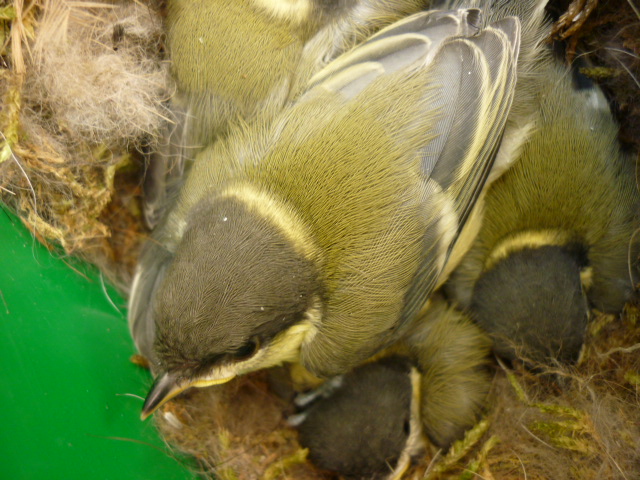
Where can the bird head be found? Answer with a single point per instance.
(532, 302)
(237, 296)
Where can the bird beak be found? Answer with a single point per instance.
(168, 386)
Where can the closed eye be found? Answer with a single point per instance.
(247, 350)
(212, 360)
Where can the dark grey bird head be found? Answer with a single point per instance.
(235, 297)
(533, 304)
(361, 429)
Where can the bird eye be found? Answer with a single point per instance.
(406, 427)
(212, 359)
(246, 351)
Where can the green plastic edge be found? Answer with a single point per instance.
(65, 373)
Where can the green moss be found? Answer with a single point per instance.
(600, 73)
(279, 467)
(632, 377)
(480, 461)
(574, 432)
(517, 388)
(461, 448)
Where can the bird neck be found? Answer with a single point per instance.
(277, 213)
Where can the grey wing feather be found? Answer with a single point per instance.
(149, 274)
(412, 41)
(478, 75)
(166, 167)
(481, 112)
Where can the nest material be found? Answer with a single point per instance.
(607, 34)
(237, 431)
(84, 94)
(83, 88)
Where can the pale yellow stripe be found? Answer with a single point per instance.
(527, 239)
(293, 11)
(292, 227)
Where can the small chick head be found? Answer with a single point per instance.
(533, 303)
(361, 429)
(236, 298)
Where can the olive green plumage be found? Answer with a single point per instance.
(560, 222)
(452, 356)
(356, 215)
(229, 57)
(373, 420)
(366, 183)
(232, 60)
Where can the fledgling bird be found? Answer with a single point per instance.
(234, 59)
(521, 119)
(318, 235)
(374, 419)
(557, 233)
(361, 428)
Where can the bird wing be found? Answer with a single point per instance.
(413, 41)
(151, 269)
(166, 166)
(479, 74)
(462, 76)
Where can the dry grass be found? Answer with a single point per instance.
(83, 92)
(581, 422)
(237, 431)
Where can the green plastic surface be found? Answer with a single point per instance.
(64, 373)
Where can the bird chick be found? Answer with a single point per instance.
(232, 61)
(361, 428)
(557, 233)
(317, 236)
(374, 420)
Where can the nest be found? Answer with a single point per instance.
(83, 96)
(84, 87)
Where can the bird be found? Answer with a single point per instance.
(452, 356)
(315, 236)
(231, 60)
(373, 420)
(557, 235)
(361, 426)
